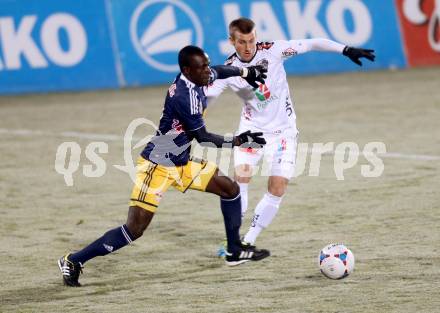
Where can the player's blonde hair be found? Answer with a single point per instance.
(242, 24)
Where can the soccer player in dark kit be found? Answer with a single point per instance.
(166, 161)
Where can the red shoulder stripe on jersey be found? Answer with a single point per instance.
(264, 45)
(231, 59)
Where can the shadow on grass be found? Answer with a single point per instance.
(56, 291)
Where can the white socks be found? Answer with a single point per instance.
(244, 198)
(265, 211)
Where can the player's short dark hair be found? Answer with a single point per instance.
(186, 53)
(242, 24)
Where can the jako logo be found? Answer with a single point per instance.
(160, 28)
(18, 44)
(347, 21)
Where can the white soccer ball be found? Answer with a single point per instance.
(336, 261)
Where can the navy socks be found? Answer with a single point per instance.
(111, 241)
(231, 209)
(119, 237)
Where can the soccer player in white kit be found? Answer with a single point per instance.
(269, 108)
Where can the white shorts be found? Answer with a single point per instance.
(279, 156)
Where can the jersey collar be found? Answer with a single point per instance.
(189, 83)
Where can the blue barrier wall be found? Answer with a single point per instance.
(50, 45)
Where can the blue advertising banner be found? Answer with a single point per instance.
(49, 45)
(151, 32)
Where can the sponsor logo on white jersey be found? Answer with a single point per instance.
(262, 93)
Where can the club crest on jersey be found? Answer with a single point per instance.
(264, 63)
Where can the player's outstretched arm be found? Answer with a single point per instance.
(322, 44)
(203, 137)
(252, 74)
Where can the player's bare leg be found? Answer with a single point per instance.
(230, 203)
(138, 220)
(277, 185)
(267, 208)
(223, 186)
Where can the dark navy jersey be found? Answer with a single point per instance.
(183, 112)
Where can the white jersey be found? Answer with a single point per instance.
(269, 108)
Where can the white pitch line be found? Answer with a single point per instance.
(92, 136)
(386, 155)
(71, 134)
(111, 137)
(423, 157)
